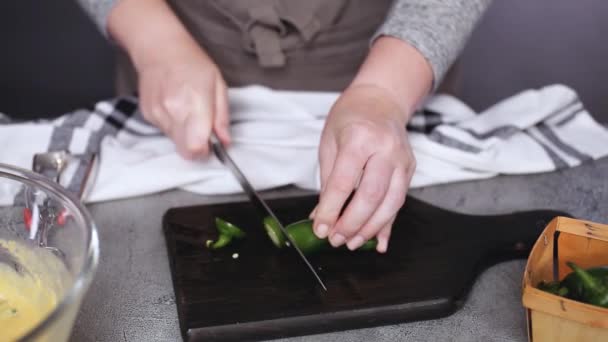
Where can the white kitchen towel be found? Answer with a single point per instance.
(276, 136)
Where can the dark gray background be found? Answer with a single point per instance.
(53, 60)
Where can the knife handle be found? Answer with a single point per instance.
(214, 139)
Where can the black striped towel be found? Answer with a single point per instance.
(276, 135)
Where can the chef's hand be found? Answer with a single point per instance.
(364, 146)
(181, 90)
(364, 140)
(185, 96)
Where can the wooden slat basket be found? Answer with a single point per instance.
(554, 318)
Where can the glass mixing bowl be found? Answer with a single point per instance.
(49, 251)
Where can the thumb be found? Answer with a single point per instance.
(327, 156)
(197, 127)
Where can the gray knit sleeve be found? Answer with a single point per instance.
(98, 11)
(438, 29)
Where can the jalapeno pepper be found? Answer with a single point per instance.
(221, 241)
(302, 233)
(594, 290)
(227, 231)
(588, 286)
(554, 287)
(274, 232)
(575, 286)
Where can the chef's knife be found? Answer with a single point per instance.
(223, 156)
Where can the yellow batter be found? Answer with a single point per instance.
(27, 296)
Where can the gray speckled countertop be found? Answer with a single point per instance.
(132, 298)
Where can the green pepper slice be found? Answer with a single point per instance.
(227, 231)
(222, 241)
(274, 232)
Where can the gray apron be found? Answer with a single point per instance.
(282, 44)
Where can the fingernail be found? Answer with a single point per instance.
(322, 230)
(337, 240)
(382, 245)
(355, 243)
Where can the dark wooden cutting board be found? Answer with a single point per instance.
(433, 259)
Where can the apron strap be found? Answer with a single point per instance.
(265, 30)
(268, 35)
(310, 17)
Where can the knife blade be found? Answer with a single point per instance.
(260, 204)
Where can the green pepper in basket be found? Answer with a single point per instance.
(575, 286)
(580, 285)
(554, 287)
(594, 289)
